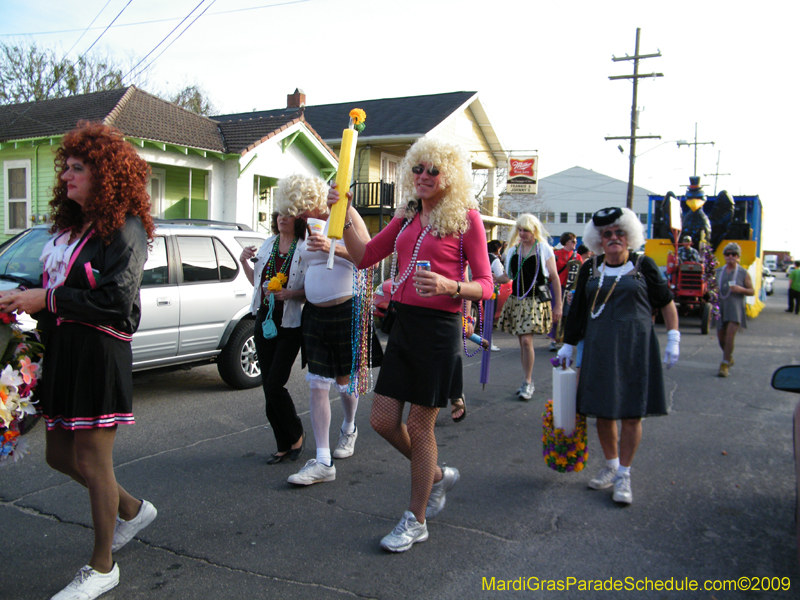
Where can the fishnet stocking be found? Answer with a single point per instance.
(415, 440)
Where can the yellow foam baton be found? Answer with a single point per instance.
(347, 156)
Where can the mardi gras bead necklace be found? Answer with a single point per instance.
(269, 268)
(599, 287)
(412, 264)
(518, 277)
(361, 328)
(725, 295)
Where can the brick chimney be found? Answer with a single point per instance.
(296, 100)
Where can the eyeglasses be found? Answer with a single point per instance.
(420, 169)
(608, 233)
(731, 254)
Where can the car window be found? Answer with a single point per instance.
(245, 241)
(227, 264)
(156, 270)
(20, 258)
(198, 259)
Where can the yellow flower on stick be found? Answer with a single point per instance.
(276, 283)
(358, 116)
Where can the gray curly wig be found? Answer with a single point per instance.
(628, 222)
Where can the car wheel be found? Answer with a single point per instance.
(238, 362)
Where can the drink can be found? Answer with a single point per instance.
(424, 265)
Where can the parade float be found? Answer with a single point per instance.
(712, 222)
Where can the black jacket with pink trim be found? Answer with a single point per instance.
(101, 289)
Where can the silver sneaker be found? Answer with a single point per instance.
(313, 472)
(526, 392)
(346, 444)
(406, 533)
(125, 530)
(89, 584)
(436, 500)
(521, 387)
(622, 489)
(604, 479)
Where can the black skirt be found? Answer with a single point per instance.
(87, 379)
(422, 362)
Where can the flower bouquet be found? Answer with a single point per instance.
(563, 453)
(20, 364)
(276, 283)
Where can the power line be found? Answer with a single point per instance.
(162, 41)
(222, 12)
(85, 31)
(106, 29)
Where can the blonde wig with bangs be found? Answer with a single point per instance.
(531, 223)
(628, 222)
(297, 194)
(450, 215)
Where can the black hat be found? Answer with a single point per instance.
(606, 216)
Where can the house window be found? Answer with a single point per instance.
(643, 218)
(579, 217)
(547, 217)
(17, 178)
(158, 179)
(565, 217)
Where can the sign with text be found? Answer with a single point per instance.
(522, 175)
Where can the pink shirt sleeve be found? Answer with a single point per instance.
(444, 254)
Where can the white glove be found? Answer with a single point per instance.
(672, 352)
(565, 354)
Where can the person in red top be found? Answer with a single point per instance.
(437, 221)
(565, 254)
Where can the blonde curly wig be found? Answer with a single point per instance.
(531, 223)
(628, 222)
(450, 215)
(297, 194)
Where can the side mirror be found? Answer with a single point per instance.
(787, 379)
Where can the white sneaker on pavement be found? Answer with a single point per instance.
(622, 489)
(526, 391)
(406, 533)
(346, 444)
(436, 500)
(604, 479)
(126, 530)
(313, 472)
(89, 584)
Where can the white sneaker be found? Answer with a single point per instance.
(526, 392)
(125, 530)
(406, 533)
(313, 472)
(89, 584)
(436, 500)
(553, 347)
(495, 348)
(346, 444)
(604, 479)
(622, 489)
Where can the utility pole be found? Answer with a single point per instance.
(695, 143)
(717, 174)
(634, 110)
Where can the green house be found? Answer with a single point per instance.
(201, 168)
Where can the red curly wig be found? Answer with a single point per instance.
(119, 182)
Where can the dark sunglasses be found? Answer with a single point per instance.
(731, 254)
(617, 232)
(420, 169)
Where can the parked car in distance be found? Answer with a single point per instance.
(768, 281)
(789, 269)
(195, 296)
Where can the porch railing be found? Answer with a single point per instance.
(373, 194)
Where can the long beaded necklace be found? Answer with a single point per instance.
(464, 306)
(361, 327)
(411, 264)
(599, 287)
(726, 295)
(521, 260)
(269, 268)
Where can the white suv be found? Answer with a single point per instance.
(195, 296)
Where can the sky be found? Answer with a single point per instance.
(541, 69)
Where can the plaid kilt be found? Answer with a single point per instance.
(327, 339)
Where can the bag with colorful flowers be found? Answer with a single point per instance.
(20, 365)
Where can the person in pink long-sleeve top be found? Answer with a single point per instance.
(438, 221)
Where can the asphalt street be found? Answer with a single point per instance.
(713, 494)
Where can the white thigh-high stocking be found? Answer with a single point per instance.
(350, 406)
(320, 406)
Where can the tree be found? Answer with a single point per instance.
(193, 99)
(30, 74)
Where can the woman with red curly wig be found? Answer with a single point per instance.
(87, 312)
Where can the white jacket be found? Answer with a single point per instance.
(292, 309)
